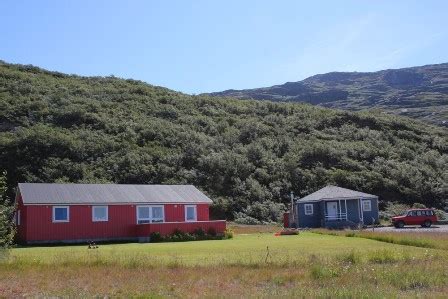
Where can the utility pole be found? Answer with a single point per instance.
(291, 212)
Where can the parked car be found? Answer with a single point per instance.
(423, 217)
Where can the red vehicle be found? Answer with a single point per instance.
(423, 217)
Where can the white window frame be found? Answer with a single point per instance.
(94, 219)
(150, 219)
(61, 207)
(312, 208)
(18, 218)
(195, 213)
(369, 208)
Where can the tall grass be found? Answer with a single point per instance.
(361, 269)
(424, 240)
(354, 274)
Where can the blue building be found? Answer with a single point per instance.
(335, 207)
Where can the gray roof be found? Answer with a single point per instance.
(333, 192)
(36, 193)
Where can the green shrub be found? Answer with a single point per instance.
(155, 237)
(211, 232)
(199, 234)
(228, 233)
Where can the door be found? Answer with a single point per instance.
(412, 218)
(332, 210)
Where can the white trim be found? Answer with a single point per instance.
(369, 205)
(195, 213)
(117, 203)
(312, 208)
(346, 212)
(68, 214)
(98, 219)
(150, 219)
(174, 222)
(334, 199)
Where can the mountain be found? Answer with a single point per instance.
(418, 92)
(246, 155)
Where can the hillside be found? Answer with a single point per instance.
(247, 155)
(418, 92)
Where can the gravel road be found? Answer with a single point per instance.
(433, 229)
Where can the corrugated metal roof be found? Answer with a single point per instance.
(333, 192)
(41, 193)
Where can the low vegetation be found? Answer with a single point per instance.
(254, 265)
(246, 155)
(7, 230)
(424, 239)
(198, 235)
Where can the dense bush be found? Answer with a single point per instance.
(197, 235)
(6, 216)
(246, 155)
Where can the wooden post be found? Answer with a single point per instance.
(292, 214)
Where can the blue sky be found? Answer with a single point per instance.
(201, 46)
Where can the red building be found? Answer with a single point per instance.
(48, 213)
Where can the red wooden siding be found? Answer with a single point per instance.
(37, 224)
(286, 219)
(176, 212)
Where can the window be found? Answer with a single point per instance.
(412, 213)
(100, 213)
(18, 218)
(309, 209)
(367, 205)
(190, 213)
(157, 214)
(61, 214)
(148, 214)
(419, 213)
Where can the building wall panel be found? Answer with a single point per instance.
(37, 223)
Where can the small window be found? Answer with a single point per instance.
(61, 214)
(190, 213)
(18, 218)
(367, 205)
(309, 209)
(100, 213)
(148, 214)
(419, 213)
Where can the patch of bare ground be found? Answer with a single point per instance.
(254, 229)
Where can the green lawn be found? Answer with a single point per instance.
(307, 265)
(242, 249)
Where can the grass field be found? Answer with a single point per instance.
(438, 240)
(250, 265)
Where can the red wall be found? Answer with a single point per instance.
(37, 225)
